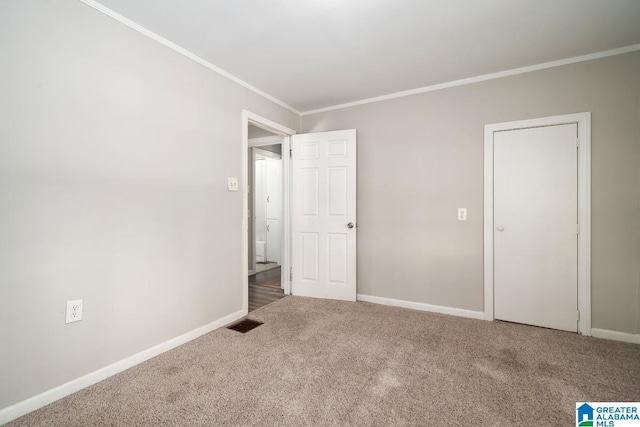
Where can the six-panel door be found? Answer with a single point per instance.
(324, 205)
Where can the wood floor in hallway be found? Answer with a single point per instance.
(264, 288)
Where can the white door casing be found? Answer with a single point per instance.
(324, 215)
(535, 226)
(284, 133)
(582, 121)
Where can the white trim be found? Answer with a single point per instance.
(615, 335)
(251, 118)
(266, 124)
(139, 28)
(265, 140)
(583, 120)
(21, 408)
(478, 79)
(422, 307)
(286, 215)
(597, 55)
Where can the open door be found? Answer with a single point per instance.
(323, 220)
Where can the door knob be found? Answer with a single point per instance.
(500, 228)
(350, 225)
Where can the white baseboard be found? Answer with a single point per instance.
(615, 335)
(596, 333)
(21, 408)
(422, 307)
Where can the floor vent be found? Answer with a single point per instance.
(245, 326)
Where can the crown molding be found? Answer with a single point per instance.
(491, 76)
(139, 28)
(480, 78)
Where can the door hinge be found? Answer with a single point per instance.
(578, 315)
(577, 228)
(290, 274)
(577, 142)
(290, 152)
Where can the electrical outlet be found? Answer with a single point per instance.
(462, 214)
(74, 311)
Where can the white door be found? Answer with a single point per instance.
(535, 226)
(274, 209)
(324, 215)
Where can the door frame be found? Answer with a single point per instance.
(254, 119)
(583, 144)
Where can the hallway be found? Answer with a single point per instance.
(264, 288)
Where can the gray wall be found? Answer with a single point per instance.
(114, 155)
(421, 157)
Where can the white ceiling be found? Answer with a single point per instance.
(312, 54)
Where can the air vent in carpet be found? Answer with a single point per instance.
(245, 326)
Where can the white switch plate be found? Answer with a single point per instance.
(462, 214)
(74, 311)
(232, 184)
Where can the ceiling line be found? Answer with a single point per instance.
(484, 77)
(481, 78)
(129, 23)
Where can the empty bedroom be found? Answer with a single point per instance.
(319, 212)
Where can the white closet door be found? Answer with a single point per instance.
(535, 226)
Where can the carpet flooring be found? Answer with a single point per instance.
(330, 363)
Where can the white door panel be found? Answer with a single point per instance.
(324, 204)
(535, 226)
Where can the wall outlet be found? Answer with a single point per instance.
(74, 311)
(232, 184)
(462, 214)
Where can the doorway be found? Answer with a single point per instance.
(321, 224)
(537, 222)
(265, 203)
(265, 238)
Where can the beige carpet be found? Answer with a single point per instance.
(329, 363)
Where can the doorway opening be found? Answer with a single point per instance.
(318, 249)
(265, 204)
(265, 223)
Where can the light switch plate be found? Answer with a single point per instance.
(462, 214)
(232, 184)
